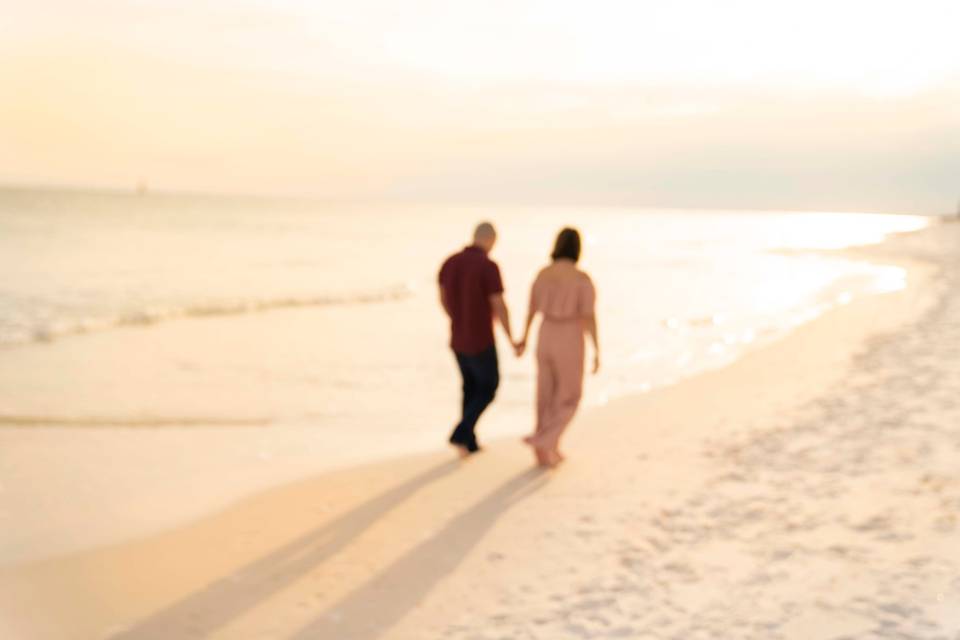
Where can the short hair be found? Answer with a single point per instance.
(567, 245)
(484, 230)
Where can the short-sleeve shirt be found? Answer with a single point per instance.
(468, 279)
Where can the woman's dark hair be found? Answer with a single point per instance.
(567, 245)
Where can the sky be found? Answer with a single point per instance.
(839, 105)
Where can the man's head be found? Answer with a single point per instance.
(485, 236)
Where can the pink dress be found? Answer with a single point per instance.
(564, 303)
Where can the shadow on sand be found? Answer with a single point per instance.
(207, 610)
(372, 609)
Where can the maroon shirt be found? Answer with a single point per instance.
(469, 278)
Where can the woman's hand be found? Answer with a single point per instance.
(520, 347)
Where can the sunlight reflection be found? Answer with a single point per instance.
(891, 279)
(826, 230)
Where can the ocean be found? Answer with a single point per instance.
(186, 311)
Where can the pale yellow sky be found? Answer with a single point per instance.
(842, 104)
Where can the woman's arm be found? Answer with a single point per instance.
(588, 308)
(531, 314)
(590, 326)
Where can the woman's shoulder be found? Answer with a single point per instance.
(585, 284)
(555, 273)
(545, 273)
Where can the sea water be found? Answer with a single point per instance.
(678, 292)
(164, 355)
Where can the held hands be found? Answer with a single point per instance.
(520, 347)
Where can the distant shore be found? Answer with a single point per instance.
(807, 490)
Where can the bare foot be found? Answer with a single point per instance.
(543, 460)
(462, 451)
(553, 458)
(547, 459)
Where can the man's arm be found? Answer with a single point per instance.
(502, 314)
(444, 301)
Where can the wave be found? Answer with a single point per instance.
(51, 331)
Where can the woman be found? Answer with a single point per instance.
(565, 296)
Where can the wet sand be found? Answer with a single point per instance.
(809, 490)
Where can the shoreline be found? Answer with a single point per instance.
(335, 549)
(137, 480)
(126, 465)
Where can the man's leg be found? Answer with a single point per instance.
(461, 435)
(485, 375)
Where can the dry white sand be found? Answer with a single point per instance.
(810, 490)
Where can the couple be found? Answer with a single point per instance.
(471, 293)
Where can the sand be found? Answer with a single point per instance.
(809, 490)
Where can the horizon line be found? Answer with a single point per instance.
(147, 192)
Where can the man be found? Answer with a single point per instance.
(471, 293)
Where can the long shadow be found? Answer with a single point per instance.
(372, 609)
(204, 611)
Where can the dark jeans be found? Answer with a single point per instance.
(481, 377)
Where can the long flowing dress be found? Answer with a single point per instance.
(564, 304)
